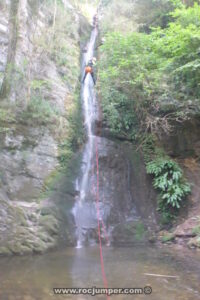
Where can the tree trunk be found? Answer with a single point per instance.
(13, 31)
(54, 15)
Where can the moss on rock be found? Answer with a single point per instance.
(168, 238)
(194, 243)
(4, 251)
(50, 224)
(130, 232)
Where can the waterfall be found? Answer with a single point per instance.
(85, 211)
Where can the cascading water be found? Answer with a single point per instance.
(115, 204)
(88, 96)
(84, 211)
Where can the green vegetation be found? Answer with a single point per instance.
(148, 81)
(168, 179)
(50, 183)
(39, 111)
(168, 238)
(87, 7)
(196, 230)
(71, 138)
(74, 132)
(138, 15)
(43, 78)
(7, 117)
(140, 231)
(131, 232)
(39, 84)
(60, 41)
(148, 75)
(198, 242)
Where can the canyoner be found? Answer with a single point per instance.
(92, 161)
(100, 149)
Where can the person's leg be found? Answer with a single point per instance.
(84, 77)
(92, 74)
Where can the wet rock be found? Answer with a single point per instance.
(19, 249)
(13, 142)
(29, 150)
(20, 216)
(167, 237)
(152, 238)
(39, 247)
(45, 210)
(4, 17)
(4, 251)
(129, 233)
(126, 194)
(45, 237)
(186, 229)
(50, 224)
(194, 243)
(43, 159)
(184, 140)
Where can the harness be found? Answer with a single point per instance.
(88, 69)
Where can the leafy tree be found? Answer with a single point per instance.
(139, 75)
(139, 72)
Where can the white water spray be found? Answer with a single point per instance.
(82, 211)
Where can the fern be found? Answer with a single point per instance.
(168, 179)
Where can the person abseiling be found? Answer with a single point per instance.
(95, 21)
(89, 69)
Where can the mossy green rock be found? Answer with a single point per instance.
(20, 216)
(50, 224)
(39, 247)
(19, 249)
(130, 232)
(4, 251)
(45, 238)
(194, 243)
(168, 238)
(46, 211)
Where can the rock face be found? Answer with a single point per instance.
(127, 202)
(4, 15)
(39, 88)
(130, 233)
(24, 168)
(184, 141)
(133, 214)
(125, 187)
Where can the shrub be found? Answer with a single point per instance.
(139, 73)
(40, 111)
(168, 179)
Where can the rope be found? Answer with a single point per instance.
(99, 226)
(102, 222)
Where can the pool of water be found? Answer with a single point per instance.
(34, 277)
